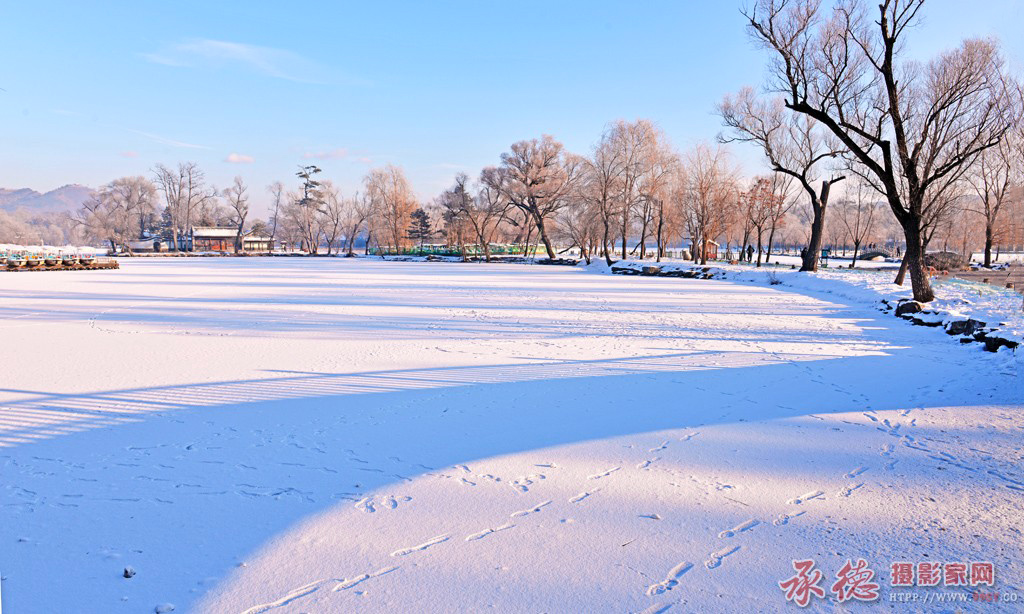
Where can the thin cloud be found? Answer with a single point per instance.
(334, 154)
(166, 141)
(277, 63)
(237, 158)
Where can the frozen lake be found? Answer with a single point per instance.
(337, 435)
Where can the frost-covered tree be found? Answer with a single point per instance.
(911, 127)
(238, 205)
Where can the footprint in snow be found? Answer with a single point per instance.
(715, 559)
(740, 528)
(814, 494)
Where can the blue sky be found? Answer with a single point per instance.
(94, 91)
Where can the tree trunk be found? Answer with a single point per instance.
(607, 252)
(624, 229)
(660, 239)
(913, 260)
(771, 239)
(988, 245)
(759, 247)
(545, 239)
(810, 261)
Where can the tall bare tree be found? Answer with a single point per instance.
(994, 174)
(481, 210)
(333, 215)
(537, 177)
(185, 193)
(276, 191)
(858, 212)
(393, 203)
(795, 145)
(238, 203)
(708, 192)
(910, 126)
(113, 213)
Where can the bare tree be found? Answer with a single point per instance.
(276, 190)
(538, 177)
(602, 179)
(481, 212)
(333, 214)
(355, 213)
(708, 192)
(393, 204)
(185, 192)
(238, 203)
(857, 212)
(910, 126)
(113, 213)
(762, 204)
(794, 145)
(995, 172)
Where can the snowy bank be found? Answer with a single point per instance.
(968, 310)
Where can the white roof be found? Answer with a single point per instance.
(214, 232)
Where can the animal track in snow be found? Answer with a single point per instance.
(855, 472)
(486, 532)
(431, 542)
(689, 436)
(302, 591)
(847, 490)
(663, 445)
(740, 528)
(347, 583)
(583, 495)
(523, 483)
(785, 518)
(671, 579)
(604, 474)
(532, 510)
(810, 496)
(647, 463)
(716, 557)
(372, 504)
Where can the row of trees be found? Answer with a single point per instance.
(844, 117)
(844, 99)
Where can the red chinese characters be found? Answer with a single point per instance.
(902, 574)
(854, 582)
(801, 586)
(982, 573)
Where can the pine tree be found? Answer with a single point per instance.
(420, 229)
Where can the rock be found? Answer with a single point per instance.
(163, 608)
(964, 327)
(945, 261)
(650, 270)
(926, 318)
(907, 307)
(129, 572)
(993, 343)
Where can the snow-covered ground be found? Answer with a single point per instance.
(338, 435)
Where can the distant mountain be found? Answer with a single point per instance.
(64, 198)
